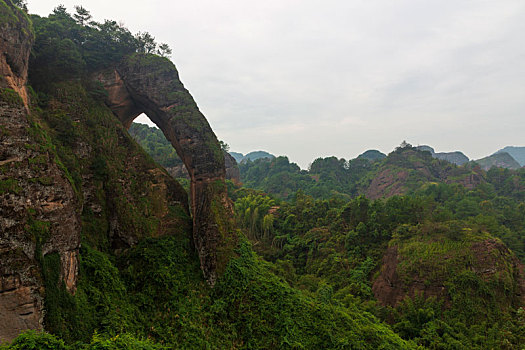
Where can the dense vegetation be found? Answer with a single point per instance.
(69, 46)
(333, 249)
(153, 141)
(325, 239)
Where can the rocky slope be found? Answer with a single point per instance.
(39, 215)
(36, 218)
(518, 153)
(499, 160)
(17, 34)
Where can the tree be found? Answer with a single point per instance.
(61, 12)
(146, 42)
(164, 50)
(82, 16)
(21, 3)
(224, 146)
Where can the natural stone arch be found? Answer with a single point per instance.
(150, 84)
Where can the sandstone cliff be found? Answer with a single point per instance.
(39, 213)
(70, 173)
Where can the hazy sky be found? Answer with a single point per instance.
(319, 78)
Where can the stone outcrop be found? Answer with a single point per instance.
(390, 289)
(150, 84)
(38, 208)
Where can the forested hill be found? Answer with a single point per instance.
(403, 171)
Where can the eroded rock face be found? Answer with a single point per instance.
(150, 84)
(38, 216)
(38, 208)
(15, 46)
(18, 310)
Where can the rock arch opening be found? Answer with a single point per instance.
(150, 84)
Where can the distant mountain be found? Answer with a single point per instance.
(456, 157)
(403, 171)
(500, 160)
(426, 148)
(372, 155)
(518, 153)
(237, 156)
(253, 156)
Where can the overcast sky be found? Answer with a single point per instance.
(337, 77)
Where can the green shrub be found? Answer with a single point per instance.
(32, 340)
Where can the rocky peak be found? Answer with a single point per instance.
(518, 153)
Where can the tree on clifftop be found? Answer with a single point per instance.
(82, 16)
